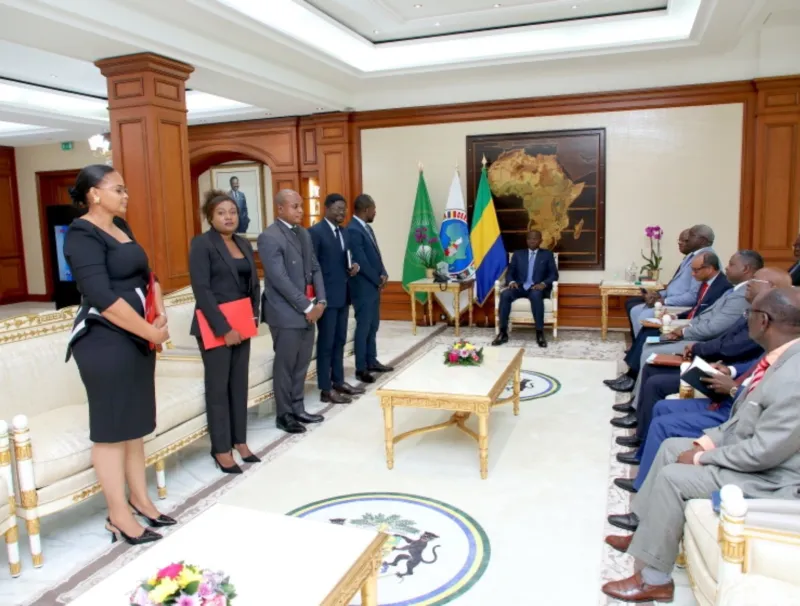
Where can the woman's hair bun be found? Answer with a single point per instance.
(78, 199)
(89, 177)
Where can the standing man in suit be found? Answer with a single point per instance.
(530, 275)
(683, 288)
(332, 249)
(241, 202)
(366, 288)
(757, 449)
(293, 301)
(794, 271)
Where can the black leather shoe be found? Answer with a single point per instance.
(334, 397)
(348, 389)
(625, 521)
(624, 408)
(307, 417)
(627, 422)
(161, 520)
(148, 536)
(500, 339)
(364, 376)
(619, 379)
(289, 424)
(625, 484)
(628, 458)
(631, 441)
(232, 469)
(378, 367)
(540, 340)
(624, 386)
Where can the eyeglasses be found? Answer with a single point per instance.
(120, 190)
(749, 312)
(761, 281)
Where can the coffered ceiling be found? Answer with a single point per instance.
(272, 58)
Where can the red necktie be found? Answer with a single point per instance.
(758, 374)
(751, 372)
(700, 296)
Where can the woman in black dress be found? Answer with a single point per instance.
(223, 269)
(113, 347)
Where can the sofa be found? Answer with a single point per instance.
(46, 400)
(521, 308)
(747, 555)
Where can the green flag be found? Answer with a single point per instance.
(423, 249)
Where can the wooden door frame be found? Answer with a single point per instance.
(43, 235)
(16, 209)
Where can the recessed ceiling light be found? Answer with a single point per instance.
(319, 109)
(497, 5)
(54, 77)
(437, 24)
(417, 6)
(574, 6)
(375, 31)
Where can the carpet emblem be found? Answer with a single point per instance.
(435, 552)
(534, 386)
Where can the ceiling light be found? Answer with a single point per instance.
(497, 5)
(574, 6)
(417, 6)
(375, 31)
(319, 109)
(54, 77)
(437, 24)
(100, 145)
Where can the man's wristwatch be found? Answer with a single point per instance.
(324, 303)
(732, 392)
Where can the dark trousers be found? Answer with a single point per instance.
(226, 380)
(630, 303)
(634, 356)
(331, 339)
(657, 383)
(536, 297)
(368, 319)
(293, 348)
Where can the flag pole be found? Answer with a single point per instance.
(419, 166)
(484, 161)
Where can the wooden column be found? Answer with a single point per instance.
(150, 147)
(776, 199)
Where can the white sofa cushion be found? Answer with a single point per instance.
(60, 443)
(756, 590)
(521, 306)
(703, 522)
(178, 399)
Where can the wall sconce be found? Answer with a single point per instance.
(100, 145)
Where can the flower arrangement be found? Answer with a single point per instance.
(184, 585)
(463, 353)
(426, 252)
(654, 233)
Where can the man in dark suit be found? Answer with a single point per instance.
(794, 271)
(530, 275)
(241, 203)
(293, 301)
(365, 288)
(332, 248)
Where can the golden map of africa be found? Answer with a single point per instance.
(544, 189)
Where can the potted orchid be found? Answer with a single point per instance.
(184, 585)
(652, 268)
(427, 253)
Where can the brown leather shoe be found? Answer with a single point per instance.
(618, 542)
(634, 589)
(349, 390)
(334, 397)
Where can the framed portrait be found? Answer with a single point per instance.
(551, 181)
(245, 184)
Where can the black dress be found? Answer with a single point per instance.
(117, 367)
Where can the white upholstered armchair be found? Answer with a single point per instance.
(8, 505)
(747, 554)
(521, 308)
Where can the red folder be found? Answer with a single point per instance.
(239, 315)
(150, 306)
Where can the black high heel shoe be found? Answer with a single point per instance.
(251, 458)
(148, 536)
(232, 469)
(161, 520)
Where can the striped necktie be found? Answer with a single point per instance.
(758, 373)
(700, 296)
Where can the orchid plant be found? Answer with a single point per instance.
(426, 253)
(653, 233)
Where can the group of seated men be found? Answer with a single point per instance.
(745, 322)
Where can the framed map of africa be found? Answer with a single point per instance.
(551, 181)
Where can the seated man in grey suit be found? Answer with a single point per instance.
(757, 449)
(293, 300)
(682, 289)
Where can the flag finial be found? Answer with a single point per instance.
(484, 161)
(419, 165)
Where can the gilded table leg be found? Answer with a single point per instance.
(388, 433)
(430, 308)
(471, 294)
(517, 389)
(603, 315)
(483, 443)
(369, 590)
(413, 312)
(457, 303)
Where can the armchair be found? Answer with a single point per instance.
(521, 308)
(752, 548)
(8, 505)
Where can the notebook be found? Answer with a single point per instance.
(239, 315)
(700, 369)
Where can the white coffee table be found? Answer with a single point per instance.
(271, 559)
(429, 383)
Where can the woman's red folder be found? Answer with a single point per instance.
(239, 315)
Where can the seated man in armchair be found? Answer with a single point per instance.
(530, 275)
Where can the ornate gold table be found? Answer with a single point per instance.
(427, 285)
(428, 383)
(619, 289)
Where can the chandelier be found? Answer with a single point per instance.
(100, 145)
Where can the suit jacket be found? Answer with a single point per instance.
(758, 448)
(794, 272)
(718, 287)
(683, 288)
(365, 252)
(332, 260)
(289, 266)
(734, 345)
(241, 204)
(719, 317)
(544, 269)
(215, 279)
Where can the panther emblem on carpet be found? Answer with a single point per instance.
(534, 386)
(434, 553)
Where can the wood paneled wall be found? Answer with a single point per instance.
(13, 283)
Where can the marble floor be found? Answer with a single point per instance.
(539, 518)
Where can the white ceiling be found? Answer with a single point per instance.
(256, 59)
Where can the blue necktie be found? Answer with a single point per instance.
(529, 278)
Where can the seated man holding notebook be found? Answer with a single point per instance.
(758, 449)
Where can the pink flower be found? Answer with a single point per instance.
(139, 598)
(205, 590)
(464, 353)
(217, 600)
(170, 572)
(188, 600)
(453, 357)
